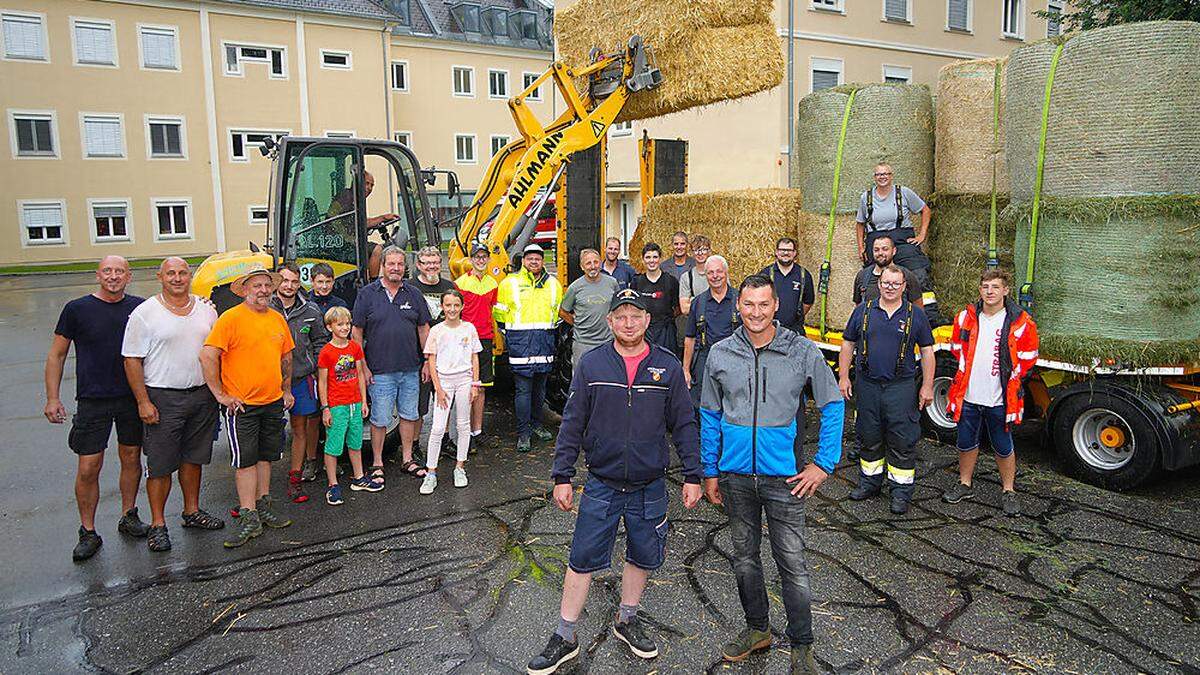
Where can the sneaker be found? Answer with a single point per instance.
(131, 525)
(295, 493)
(158, 540)
(1010, 503)
(333, 496)
(203, 520)
(267, 515)
(864, 490)
(639, 643)
(365, 483)
(541, 434)
(308, 471)
(746, 643)
(429, 484)
(89, 543)
(557, 652)
(899, 504)
(460, 477)
(803, 662)
(249, 527)
(959, 492)
(523, 446)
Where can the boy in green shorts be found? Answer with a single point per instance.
(342, 387)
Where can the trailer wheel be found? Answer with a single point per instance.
(935, 421)
(558, 385)
(1105, 440)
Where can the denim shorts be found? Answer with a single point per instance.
(601, 509)
(976, 419)
(305, 393)
(394, 391)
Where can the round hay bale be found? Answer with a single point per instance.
(1115, 278)
(965, 152)
(889, 123)
(958, 236)
(844, 265)
(1124, 113)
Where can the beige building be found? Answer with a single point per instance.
(134, 126)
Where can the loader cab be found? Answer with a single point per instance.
(327, 191)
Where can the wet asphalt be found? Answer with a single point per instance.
(468, 580)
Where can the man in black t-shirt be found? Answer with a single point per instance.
(660, 293)
(96, 324)
(430, 282)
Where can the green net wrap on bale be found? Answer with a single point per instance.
(966, 150)
(844, 265)
(1124, 113)
(708, 50)
(958, 235)
(889, 123)
(1115, 278)
(742, 224)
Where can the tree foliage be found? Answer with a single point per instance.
(1088, 14)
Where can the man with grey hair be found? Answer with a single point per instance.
(713, 317)
(432, 285)
(585, 305)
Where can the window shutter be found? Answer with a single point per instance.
(956, 14)
(23, 38)
(896, 9)
(109, 211)
(824, 79)
(158, 48)
(103, 137)
(94, 43)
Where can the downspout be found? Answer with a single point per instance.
(791, 88)
(385, 40)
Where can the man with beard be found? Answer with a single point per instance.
(613, 266)
(585, 306)
(793, 285)
(866, 285)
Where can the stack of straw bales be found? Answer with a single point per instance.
(708, 50)
(888, 123)
(743, 224)
(1117, 264)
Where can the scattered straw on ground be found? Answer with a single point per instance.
(957, 245)
(966, 151)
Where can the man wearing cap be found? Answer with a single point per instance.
(479, 296)
(585, 306)
(631, 385)
(527, 304)
(247, 363)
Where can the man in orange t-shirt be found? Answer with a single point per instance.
(237, 359)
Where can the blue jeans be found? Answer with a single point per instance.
(746, 499)
(530, 399)
(394, 392)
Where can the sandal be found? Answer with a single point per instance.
(377, 474)
(415, 470)
(203, 520)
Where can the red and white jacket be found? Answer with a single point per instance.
(1020, 337)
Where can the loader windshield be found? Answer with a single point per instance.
(324, 210)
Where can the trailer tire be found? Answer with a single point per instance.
(1106, 440)
(935, 421)
(558, 385)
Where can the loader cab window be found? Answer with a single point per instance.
(324, 211)
(394, 168)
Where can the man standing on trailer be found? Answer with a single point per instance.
(996, 343)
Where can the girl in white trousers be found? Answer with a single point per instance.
(453, 348)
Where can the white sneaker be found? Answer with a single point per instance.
(460, 477)
(429, 483)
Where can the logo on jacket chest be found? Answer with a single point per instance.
(656, 374)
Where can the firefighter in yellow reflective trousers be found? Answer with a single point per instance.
(882, 340)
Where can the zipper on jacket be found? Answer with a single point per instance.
(754, 421)
(628, 426)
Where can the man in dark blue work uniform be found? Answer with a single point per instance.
(879, 340)
(712, 318)
(793, 285)
(625, 397)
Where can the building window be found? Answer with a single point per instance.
(339, 134)
(43, 222)
(829, 5)
(33, 134)
(95, 42)
(160, 47)
(897, 74)
(171, 218)
(237, 55)
(110, 220)
(464, 148)
(494, 21)
(403, 138)
(102, 136)
(958, 15)
(336, 60)
(240, 142)
(497, 84)
(166, 137)
(1012, 21)
(24, 36)
(465, 16)
(897, 10)
(528, 79)
(498, 143)
(258, 215)
(400, 76)
(464, 80)
(1054, 21)
(826, 73)
(619, 129)
(524, 25)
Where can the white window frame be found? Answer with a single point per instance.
(41, 19)
(149, 119)
(101, 116)
(250, 214)
(502, 96)
(970, 27)
(893, 70)
(13, 114)
(241, 70)
(1020, 32)
(112, 27)
(397, 134)
(620, 129)
(230, 131)
(403, 63)
(492, 143)
(1061, 8)
(337, 52)
(537, 93)
(828, 65)
(174, 30)
(454, 81)
(474, 149)
(908, 12)
(125, 202)
(185, 202)
(831, 6)
(26, 242)
(340, 133)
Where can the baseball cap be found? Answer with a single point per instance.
(478, 248)
(533, 248)
(627, 296)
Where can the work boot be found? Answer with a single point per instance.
(557, 652)
(803, 662)
(267, 515)
(900, 502)
(89, 543)
(131, 525)
(868, 486)
(248, 527)
(747, 642)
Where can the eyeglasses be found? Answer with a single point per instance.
(785, 250)
(891, 284)
(879, 174)
(703, 249)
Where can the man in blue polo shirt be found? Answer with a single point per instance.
(793, 285)
(713, 317)
(613, 266)
(391, 321)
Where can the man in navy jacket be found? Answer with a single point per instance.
(625, 397)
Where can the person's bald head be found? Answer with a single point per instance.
(175, 276)
(113, 275)
(368, 182)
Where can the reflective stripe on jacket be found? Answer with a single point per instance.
(528, 308)
(1020, 336)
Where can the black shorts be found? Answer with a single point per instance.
(255, 434)
(187, 422)
(93, 422)
(487, 371)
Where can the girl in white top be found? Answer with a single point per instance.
(453, 348)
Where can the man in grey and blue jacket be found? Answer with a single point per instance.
(753, 391)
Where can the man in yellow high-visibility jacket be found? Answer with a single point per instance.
(527, 306)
